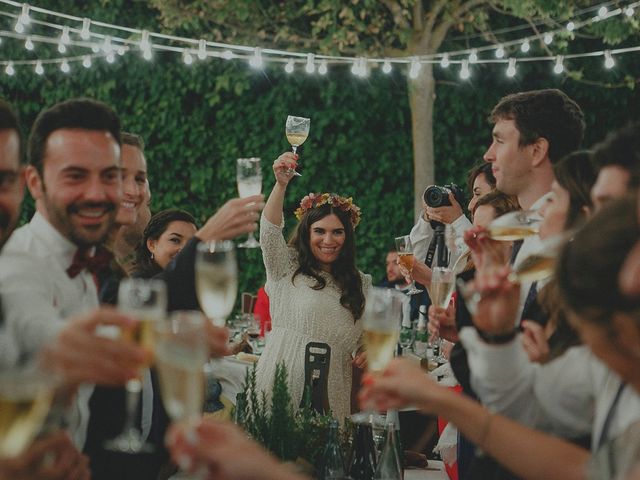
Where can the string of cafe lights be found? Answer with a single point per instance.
(109, 45)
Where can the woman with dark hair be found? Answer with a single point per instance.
(165, 235)
(316, 292)
(480, 181)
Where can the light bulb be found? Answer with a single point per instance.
(322, 69)
(85, 33)
(256, 59)
(110, 57)
(609, 62)
(500, 52)
(64, 66)
(571, 26)
(95, 48)
(147, 54)
(187, 58)
(145, 43)
(414, 70)
(525, 47)
(444, 63)
(86, 61)
(629, 11)
(10, 70)
(310, 67)
(548, 38)
(386, 66)
(511, 69)
(19, 28)
(465, 73)
(602, 11)
(62, 48)
(558, 68)
(473, 56)
(228, 55)
(64, 36)
(28, 44)
(202, 49)
(289, 66)
(122, 50)
(39, 69)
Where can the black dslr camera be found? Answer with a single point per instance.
(436, 196)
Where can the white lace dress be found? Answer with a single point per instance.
(300, 315)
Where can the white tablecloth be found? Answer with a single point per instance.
(230, 372)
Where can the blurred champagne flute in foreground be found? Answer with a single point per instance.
(381, 323)
(25, 398)
(216, 279)
(249, 179)
(297, 131)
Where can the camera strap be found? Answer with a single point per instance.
(431, 252)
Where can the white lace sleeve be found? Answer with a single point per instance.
(277, 256)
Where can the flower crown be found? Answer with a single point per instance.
(314, 200)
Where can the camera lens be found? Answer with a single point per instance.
(436, 196)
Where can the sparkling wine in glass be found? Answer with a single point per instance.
(297, 131)
(181, 353)
(216, 279)
(381, 323)
(26, 394)
(145, 300)
(405, 258)
(249, 178)
(515, 225)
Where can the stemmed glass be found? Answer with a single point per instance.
(249, 178)
(297, 131)
(381, 324)
(145, 300)
(216, 279)
(405, 258)
(181, 353)
(26, 394)
(515, 225)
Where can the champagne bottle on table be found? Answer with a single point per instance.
(389, 467)
(422, 334)
(394, 418)
(332, 467)
(363, 463)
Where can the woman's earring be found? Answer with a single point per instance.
(151, 255)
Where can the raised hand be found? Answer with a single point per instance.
(535, 342)
(499, 304)
(284, 167)
(238, 216)
(442, 322)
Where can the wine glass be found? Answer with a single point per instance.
(145, 300)
(381, 324)
(216, 279)
(181, 353)
(249, 178)
(405, 258)
(26, 394)
(515, 225)
(297, 131)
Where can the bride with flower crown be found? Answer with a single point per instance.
(316, 293)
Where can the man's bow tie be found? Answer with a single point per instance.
(82, 261)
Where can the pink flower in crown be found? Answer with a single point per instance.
(314, 200)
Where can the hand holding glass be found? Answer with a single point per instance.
(405, 258)
(216, 279)
(297, 131)
(249, 178)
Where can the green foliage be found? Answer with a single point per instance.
(290, 433)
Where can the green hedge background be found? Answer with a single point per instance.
(196, 120)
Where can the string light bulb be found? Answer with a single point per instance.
(228, 55)
(386, 66)
(95, 48)
(289, 66)
(465, 73)
(500, 51)
(256, 58)
(322, 69)
(548, 38)
(511, 69)
(86, 61)
(310, 67)
(145, 43)
(64, 36)
(121, 50)
(414, 69)
(558, 68)
(9, 70)
(629, 11)
(609, 62)
(24, 14)
(64, 66)
(110, 58)
(571, 26)
(85, 33)
(187, 58)
(526, 46)
(28, 44)
(602, 11)
(202, 49)
(473, 56)
(444, 63)
(39, 69)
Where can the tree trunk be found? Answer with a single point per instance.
(421, 99)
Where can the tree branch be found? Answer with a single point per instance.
(396, 12)
(440, 32)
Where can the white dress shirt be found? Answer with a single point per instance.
(569, 396)
(422, 233)
(38, 297)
